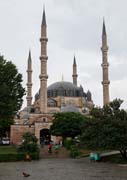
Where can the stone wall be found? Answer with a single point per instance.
(17, 132)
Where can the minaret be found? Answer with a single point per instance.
(74, 72)
(43, 58)
(29, 81)
(105, 65)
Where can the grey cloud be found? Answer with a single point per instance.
(73, 27)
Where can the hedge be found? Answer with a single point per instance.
(18, 156)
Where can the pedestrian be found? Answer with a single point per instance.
(50, 148)
(56, 148)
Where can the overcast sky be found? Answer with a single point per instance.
(74, 27)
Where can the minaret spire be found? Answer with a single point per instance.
(74, 75)
(44, 17)
(43, 58)
(104, 28)
(105, 65)
(29, 80)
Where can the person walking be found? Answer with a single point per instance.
(50, 148)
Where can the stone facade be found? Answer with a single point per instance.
(58, 97)
(17, 132)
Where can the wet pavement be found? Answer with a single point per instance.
(63, 169)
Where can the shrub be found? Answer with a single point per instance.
(21, 156)
(29, 147)
(74, 151)
(9, 154)
(7, 157)
(30, 143)
(18, 157)
(35, 155)
(68, 143)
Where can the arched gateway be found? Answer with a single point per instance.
(45, 136)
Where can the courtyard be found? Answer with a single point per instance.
(63, 169)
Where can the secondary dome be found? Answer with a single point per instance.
(64, 88)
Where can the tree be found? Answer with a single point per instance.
(11, 93)
(67, 124)
(109, 131)
(29, 143)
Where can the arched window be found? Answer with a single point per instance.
(52, 103)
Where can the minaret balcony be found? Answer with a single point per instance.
(43, 77)
(29, 71)
(43, 38)
(29, 84)
(105, 65)
(44, 57)
(105, 82)
(74, 75)
(104, 48)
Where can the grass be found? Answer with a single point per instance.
(8, 149)
(9, 154)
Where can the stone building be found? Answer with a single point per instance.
(60, 96)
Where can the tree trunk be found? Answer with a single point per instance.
(63, 140)
(124, 153)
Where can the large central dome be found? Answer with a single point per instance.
(62, 85)
(64, 88)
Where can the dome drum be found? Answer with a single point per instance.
(63, 88)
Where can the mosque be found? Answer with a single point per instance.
(62, 96)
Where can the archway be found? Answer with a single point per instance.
(45, 136)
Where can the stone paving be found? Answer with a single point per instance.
(63, 169)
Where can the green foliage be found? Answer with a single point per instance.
(11, 93)
(9, 157)
(29, 137)
(10, 153)
(74, 151)
(67, 124)
(115, 158)
(68, 143)
(5, 124)
(35, 155)
(29, 143)
(96, 112)
(107, 131)
(5, 149)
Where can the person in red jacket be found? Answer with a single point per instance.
(50, 148)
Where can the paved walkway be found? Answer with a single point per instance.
(62, 153)
(62, 169)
